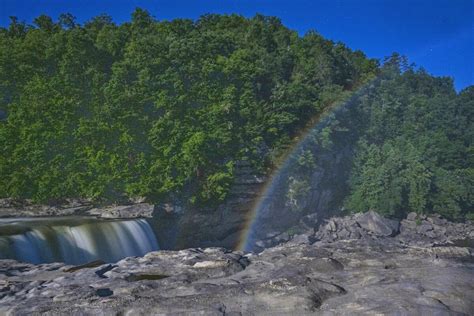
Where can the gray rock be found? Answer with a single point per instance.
(411, 216)
(373, 274)
(344, 234)
(26, 208)
(424, 227)
(434, 230)
(124, 211)
(437, 220)
(355, 235)
(378, 225)
(331, 226)
(73, 207)
(305, 238)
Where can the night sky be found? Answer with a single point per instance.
(435, 34)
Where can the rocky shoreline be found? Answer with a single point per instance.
(359, 264)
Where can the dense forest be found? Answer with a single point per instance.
(416, 151)
(166, 109)
(157, 109)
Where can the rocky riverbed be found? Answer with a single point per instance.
(361, 264)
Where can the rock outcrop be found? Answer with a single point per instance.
(73, 207)
(434, 230)
(415, 230)
(358, 226)
(26, 208)
(139, 210)
(179, 228)
(348, 267)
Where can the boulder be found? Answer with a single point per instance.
(424, 227)
(412, 216)
(377, 224)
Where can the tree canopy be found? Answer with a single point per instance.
(157, 109)
(416, 149)
(165, 109)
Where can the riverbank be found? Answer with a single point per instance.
(352, 265)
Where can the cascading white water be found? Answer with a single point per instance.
(74, 240)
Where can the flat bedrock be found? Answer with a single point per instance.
(359, 264)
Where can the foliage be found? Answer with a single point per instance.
(297, 193)
(160, 109)
(416, 150)
(165, 110)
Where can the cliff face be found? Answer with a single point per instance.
(310, 186)
(353, 265)
(179, 228)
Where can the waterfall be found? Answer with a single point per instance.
(74, 240)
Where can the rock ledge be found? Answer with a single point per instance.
(74, 207)
(360, 264)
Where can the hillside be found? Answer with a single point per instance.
(168, 110)
(157, 109)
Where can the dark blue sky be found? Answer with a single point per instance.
(435, 34)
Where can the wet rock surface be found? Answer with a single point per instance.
(345, 268)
